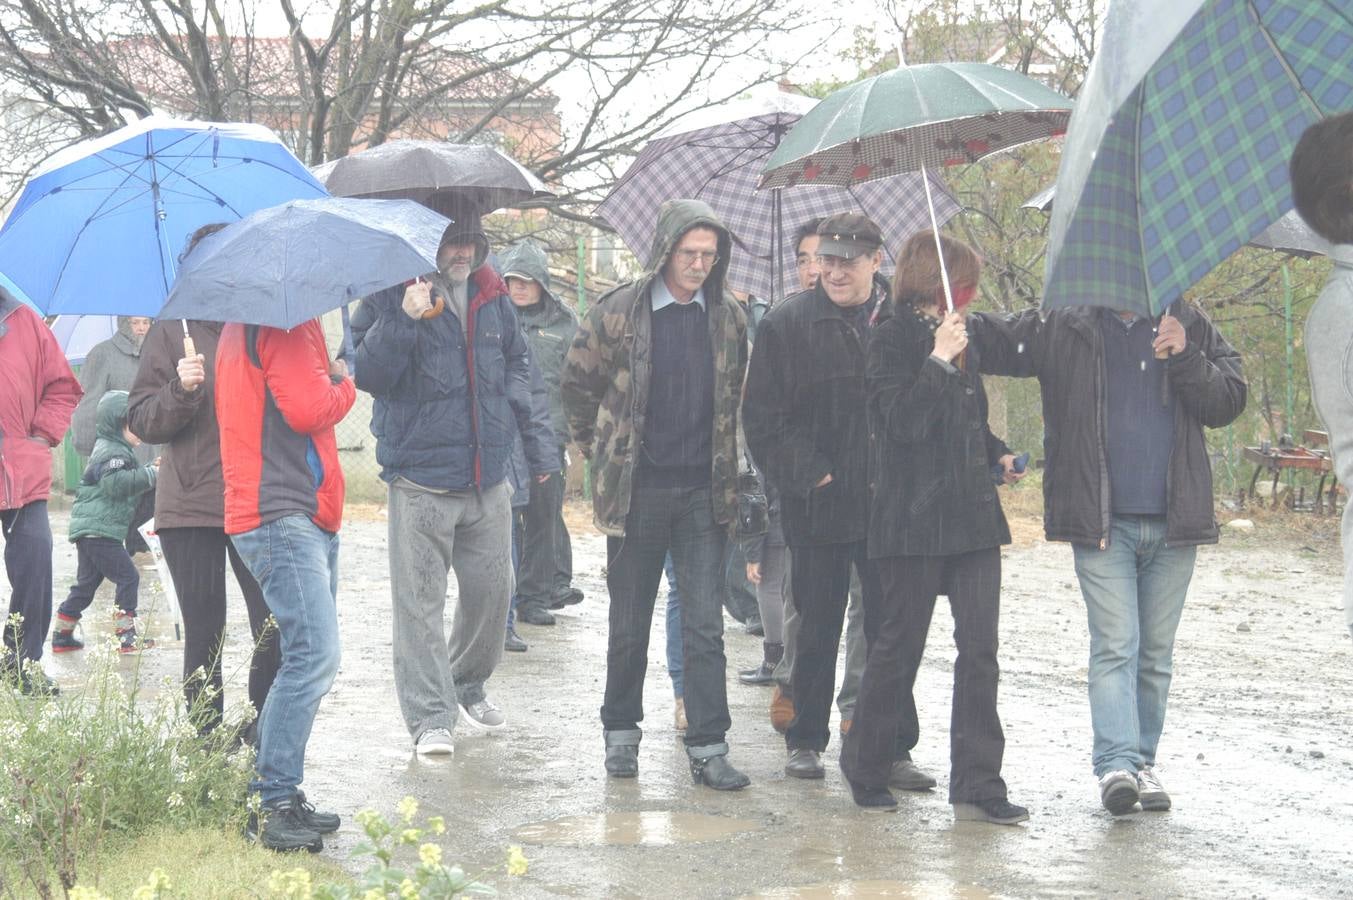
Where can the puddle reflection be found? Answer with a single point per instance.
(629, 829)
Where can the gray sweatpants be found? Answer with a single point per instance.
(430, 535)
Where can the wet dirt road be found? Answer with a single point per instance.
(1257, 752)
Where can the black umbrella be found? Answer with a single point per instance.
(434, 173)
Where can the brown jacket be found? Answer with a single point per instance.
(190, 492)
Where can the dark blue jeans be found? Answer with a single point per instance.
(680, 520)
(96, 559)
(28, 564)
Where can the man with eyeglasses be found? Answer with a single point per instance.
(651, 388)
(805, 421)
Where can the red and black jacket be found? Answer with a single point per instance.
(277, 408)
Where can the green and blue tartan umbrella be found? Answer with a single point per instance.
(1177, 152)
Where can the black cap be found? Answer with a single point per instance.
(848, 235)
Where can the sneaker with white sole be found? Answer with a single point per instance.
(1118, 791)
(435, 742)
(484, 716)
(1151, 792)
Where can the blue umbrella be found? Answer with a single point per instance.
(98, 227)
(284, 265)
(1176, 155)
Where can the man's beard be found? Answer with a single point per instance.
(451, 273)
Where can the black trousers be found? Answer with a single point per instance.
(679, 520)
(98, 558)
(197, 558)
(28, 564)
(972, 582)
(541, 521)
(820, 576)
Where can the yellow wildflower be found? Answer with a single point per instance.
(408, 808)
(293, 885)
(430, 854)
(408, 890)
(156, 884)
(516, 861)
(80, 892)
(410, 836)
(437, 824)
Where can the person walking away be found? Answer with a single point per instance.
(806, 427)
(111, 365)
(935, 527)
(546, 572)
(1322, 187)
(651, 388)
(38, 394)
(1128, 482)
(452, 391)
(278, 398)
(173, 404)
(105, 502)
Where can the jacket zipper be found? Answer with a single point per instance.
(471, 314)
(1101, 391)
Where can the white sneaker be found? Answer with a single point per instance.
(484, 716)
(1151, 792)
(435, 742)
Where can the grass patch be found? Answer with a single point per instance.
(206, 863)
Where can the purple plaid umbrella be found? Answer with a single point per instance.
(717, 156)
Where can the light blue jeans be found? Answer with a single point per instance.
(675, 648)
(1134, 595)
(296, 565)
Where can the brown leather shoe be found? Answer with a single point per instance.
(781, 710)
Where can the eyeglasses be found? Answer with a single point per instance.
(688, 257)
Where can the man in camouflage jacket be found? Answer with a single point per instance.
(651, 389)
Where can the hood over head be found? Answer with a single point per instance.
(111, 416)
(465, 227)
(675, 218)
(527, 259)
(124, 331)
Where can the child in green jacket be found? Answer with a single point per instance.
(105, 502)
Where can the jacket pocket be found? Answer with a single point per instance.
(926, 496)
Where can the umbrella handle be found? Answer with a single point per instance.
(438, 307)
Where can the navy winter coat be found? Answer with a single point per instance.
(446, 413)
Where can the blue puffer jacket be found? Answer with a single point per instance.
(446, 414)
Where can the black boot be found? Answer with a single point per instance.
(716, 771)
(322, 822)
(622, 752)
(771, 655)
(280, 826)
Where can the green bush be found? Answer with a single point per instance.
(100, 762)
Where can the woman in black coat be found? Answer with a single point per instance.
(936, 527)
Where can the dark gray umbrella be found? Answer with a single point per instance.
(430, 172)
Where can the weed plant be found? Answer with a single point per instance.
(106, 760)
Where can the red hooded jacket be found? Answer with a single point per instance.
(277, 408)
(38, 394)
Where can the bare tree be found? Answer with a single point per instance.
(360, 72)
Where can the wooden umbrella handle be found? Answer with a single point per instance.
(438, 306)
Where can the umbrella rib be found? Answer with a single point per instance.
(1282, 59)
